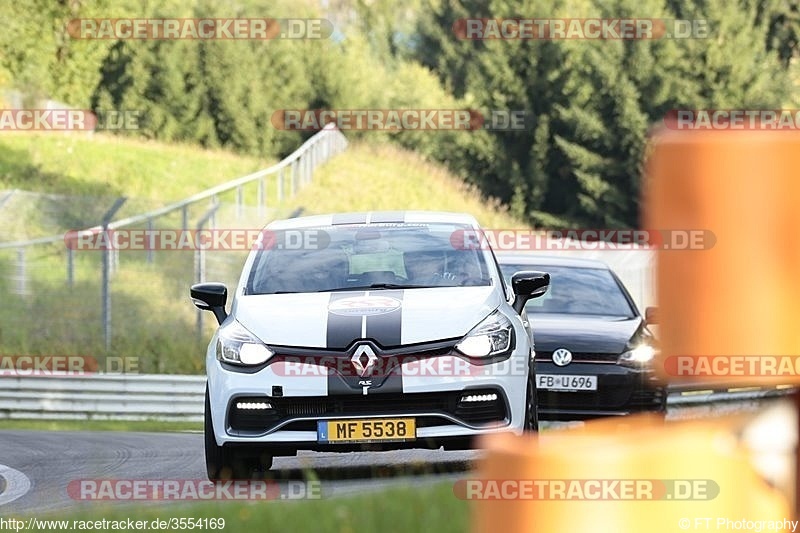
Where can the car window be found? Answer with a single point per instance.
(360, 256)
(576, 291)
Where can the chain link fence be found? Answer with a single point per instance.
(62, 298)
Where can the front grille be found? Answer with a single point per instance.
(580, 357)
(621, 397)
(602, 399)
(303, 408)
(417, 351)
(647, 398)
(481, 412)
(287, 408)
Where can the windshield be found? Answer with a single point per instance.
(576, 291)
(368, 257)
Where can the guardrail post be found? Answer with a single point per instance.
(239, 202)
(200, 264)
(70, 267)
(295, 171)
(149, 240)
(21, 277)
(280, 185)
(184, 218)
(114, 260)
(261, 199)
(106, 293)
(106, 290)
(312, 162)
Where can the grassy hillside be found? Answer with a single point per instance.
(152, 318)
(374, 177)
(78, 164)
(153, 174)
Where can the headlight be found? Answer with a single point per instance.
(490, 337)
(238, 346)
(641, 354)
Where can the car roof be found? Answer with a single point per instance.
(375, 217)
(549, 260)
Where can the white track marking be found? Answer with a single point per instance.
(17, 484)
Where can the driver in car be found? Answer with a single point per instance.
(427, 268)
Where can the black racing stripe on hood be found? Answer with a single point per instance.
(386, 329)
(342, 330)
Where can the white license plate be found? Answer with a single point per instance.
(566, 382)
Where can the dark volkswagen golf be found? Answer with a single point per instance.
(594, 352)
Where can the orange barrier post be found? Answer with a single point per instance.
(611, 477)
(741, 297)
(729, 311)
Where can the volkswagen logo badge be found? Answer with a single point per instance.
(562, 357)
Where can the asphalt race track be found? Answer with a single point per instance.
(36, 467)
(42, 464)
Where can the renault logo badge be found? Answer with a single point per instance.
(364, 359)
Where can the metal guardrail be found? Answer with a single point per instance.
(300, 166)
(181, 398)
(103, 397)
(290, 174)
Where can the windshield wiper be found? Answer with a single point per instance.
(379, 286)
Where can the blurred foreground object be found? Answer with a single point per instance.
(729, 312)
(678, 475)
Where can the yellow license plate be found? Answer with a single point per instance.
(367, 430)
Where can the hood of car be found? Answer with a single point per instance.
(389, 317)
(583, 334)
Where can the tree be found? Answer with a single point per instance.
(591, 102)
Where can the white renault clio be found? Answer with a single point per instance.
(366, 331)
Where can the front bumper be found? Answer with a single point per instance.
(434, 401)
(621, 390)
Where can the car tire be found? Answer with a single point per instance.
(223, 463)
(531, 411)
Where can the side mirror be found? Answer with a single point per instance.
(651, 316)
(210, 297)
(528, 284)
